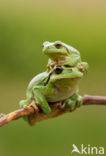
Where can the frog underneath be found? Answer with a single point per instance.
(59, 84)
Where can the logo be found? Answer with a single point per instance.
(87, 149)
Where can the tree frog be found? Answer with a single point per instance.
(61, 54)
(60, 83)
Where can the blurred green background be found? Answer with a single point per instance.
(24, 26)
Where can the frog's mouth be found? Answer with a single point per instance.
(73, 78)
(54, 53)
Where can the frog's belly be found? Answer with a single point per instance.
(59, 95)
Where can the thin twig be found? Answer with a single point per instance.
(35, 115)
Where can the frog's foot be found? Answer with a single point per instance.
(23, 103)
(73, 100)
(79, 101)
(33, 104)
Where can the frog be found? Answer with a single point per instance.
(60, 53)
(60, 83)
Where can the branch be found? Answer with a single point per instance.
(35, 115)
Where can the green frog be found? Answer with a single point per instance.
(60, 53)
(60, 84)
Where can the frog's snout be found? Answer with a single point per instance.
(46, 49)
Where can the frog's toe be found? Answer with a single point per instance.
(70, 103)
(23, 103)
(33, 104)
(47, 110)
(79, 101)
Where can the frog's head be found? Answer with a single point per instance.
(55, 50)
(65, 74)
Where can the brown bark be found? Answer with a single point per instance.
(35, 115)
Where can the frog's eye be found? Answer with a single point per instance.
(58, 70)
(58, 45)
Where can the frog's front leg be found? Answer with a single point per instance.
(41, 100)
(71, 102)
(72, 61)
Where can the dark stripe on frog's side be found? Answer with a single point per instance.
(48, 79)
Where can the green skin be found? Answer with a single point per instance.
(60, 84)
(61, 54)
(61, 81)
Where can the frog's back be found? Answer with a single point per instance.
(72, 50)
(38, 80)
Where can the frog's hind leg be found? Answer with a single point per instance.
(71, 102)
